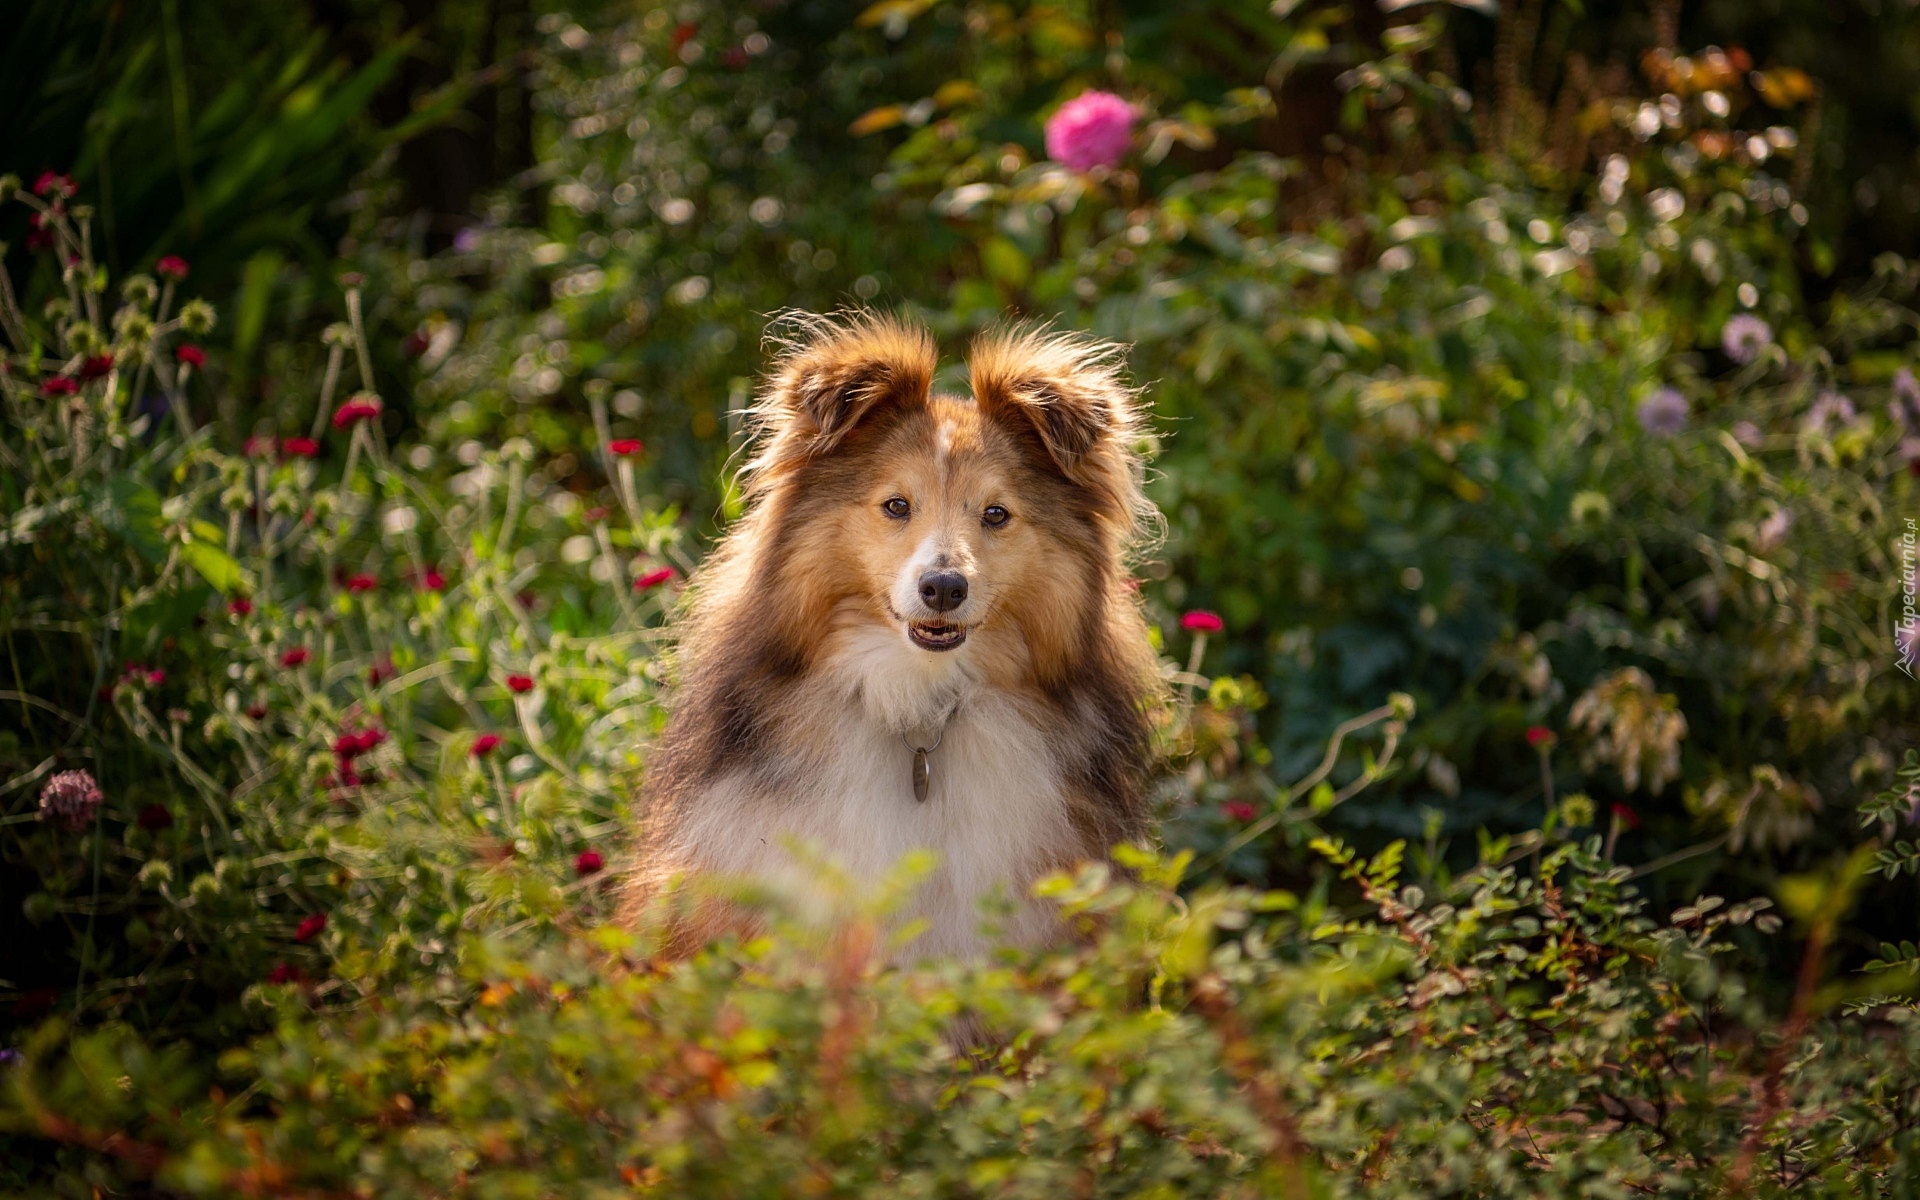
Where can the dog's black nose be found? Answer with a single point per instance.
(943, 591)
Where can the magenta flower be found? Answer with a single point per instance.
(517, 684)
(189, 355)
(363, 407)
(298, 447)
(59, 385)
(171, 267)
(626, 447)
(588, 862)
(295, 657)
(1091, 130)
(310, 928)
(652, 579)
(61, 186)
(361, 583)
(433, 581)
(1202, 621)
(485, 744)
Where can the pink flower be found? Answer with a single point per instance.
(1539, 736)
(485, 744)
(380, 671)
(626, 447)
(71, 798)
(259, 446)
(156, 677)
(310, 928)
(363, 407)
(1091, 130)
(653, 579)
(300, 448)
(588, 862)
(295, 657)
(518, 684)
(50, 181)
(361, 583)
(1238, 810)
(354, 743)
(171, 267)
(189, 355)
(1202, 621)
(59, 385)
(433, 581)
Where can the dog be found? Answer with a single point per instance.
(923, 634)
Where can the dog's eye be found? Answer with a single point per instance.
(995, 516)
(897, 507)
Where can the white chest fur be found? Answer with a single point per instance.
(994, 818)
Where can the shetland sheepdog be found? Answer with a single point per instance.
(921, 635)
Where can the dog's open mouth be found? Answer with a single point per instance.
(935, 635)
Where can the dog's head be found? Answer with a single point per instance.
(949, 520)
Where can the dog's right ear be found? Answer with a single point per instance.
(837, 372)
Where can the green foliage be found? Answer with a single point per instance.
(367, 695)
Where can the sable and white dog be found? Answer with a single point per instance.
(921, 635)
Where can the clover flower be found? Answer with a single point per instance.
(518, 684)
(1664, 413)
(1744, 336)
(71, 798)
(1906, 400)
(1747, 434)
(485, 744)
(588, 862)
(171, 267)
(295, 656)
(51, 182)
(189, 355)
(1091, 130)
(299, 447)
(363, 406)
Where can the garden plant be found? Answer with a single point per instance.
(1539, 799)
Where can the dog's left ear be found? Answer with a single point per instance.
(1068, 389)
(838, 372)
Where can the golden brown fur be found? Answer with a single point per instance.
(804, 648)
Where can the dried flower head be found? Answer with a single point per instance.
(71, 798)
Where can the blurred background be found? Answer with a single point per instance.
(1436, 304)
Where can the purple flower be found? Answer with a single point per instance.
(1906, 400)
(1830, 409)
(72, 798)
(1748, 434)
(1664, 413)
(1744, 337)
(1091, 130)
(1906, 639)
(1773, 531)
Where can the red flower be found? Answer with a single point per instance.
(354, 743)
(50, 181)
(363, 407)
(1202, 621)
(361, 583)
(625, 447)
(171, 267)
(256, 712)
(310, 928)
(1626, 816)
(1238, 810)
(381, 671)
(59, 385)
(518, 684)
(188, 354)
(588, 862)
(154, 817)
(284, 973)
(259, 446)
(295, 657)
(97, 366)
(485, 744)
(653, 579)
(300, 448)
(1539, 736)
(433, 581)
